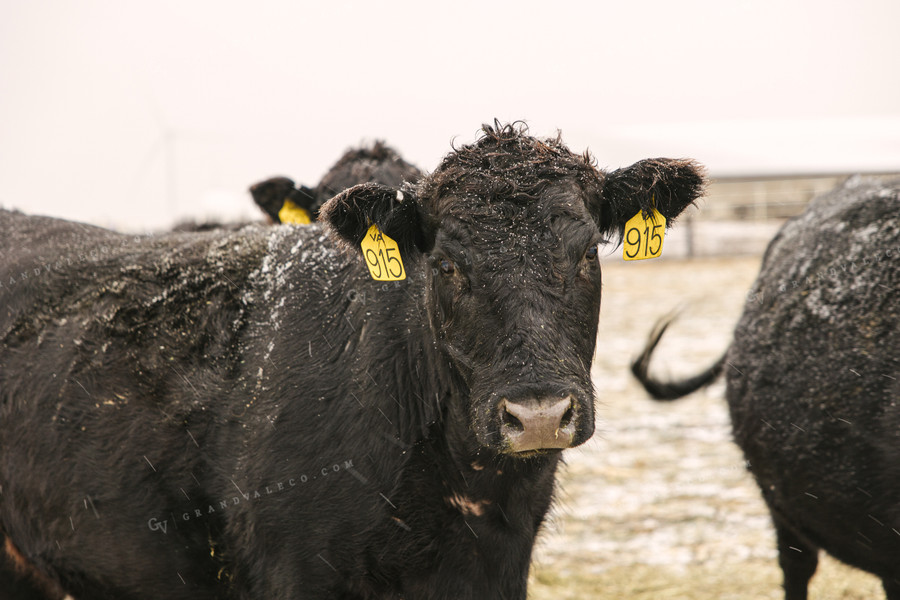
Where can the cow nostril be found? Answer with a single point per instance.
(567, 416)
(511, 421)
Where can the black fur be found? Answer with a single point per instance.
(376, 164)
(19, 581)
(379, 164)
(659, 183)
(813, 383)
(249, 415)
(396, 213)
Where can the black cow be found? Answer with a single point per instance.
(250, 415)
(378, 164)
(813, 384)
(283, 201)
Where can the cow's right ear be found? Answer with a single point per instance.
(396, 212)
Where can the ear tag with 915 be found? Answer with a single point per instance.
(644, 237)
(382, 256)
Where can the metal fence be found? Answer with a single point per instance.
(739, 216)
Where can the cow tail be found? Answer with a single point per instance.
(670, 390)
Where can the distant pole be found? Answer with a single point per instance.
(171, 191)
(167, 135)
(689, 227)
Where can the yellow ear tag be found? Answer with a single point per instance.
(382, 256)
(644, 237)
(291, 213)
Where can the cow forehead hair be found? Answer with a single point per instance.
(489, 246)
(506, 163)
(558, 213)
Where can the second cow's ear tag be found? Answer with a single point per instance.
(644, 237)
(382, 256)
(291, 213)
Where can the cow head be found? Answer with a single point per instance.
(505, 233)
(377, 164)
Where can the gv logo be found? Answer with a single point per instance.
(155, 525)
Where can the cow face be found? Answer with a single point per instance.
(505, 233)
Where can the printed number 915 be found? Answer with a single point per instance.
(644, 237)
(383, 265)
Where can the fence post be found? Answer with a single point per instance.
(689, 230)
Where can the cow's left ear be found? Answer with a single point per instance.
(282, 202)
(397, 213)
(669, 185)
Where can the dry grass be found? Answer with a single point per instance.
(746, 580)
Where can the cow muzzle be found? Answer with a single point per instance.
(534, 424)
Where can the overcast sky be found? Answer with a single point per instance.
(132, 113)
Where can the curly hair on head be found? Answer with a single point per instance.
(507, 163)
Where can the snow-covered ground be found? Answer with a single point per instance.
(657, 476)
(661, 490)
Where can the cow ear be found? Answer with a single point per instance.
(669, 185)
(278, 194)
(397, 213)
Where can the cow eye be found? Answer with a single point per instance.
(447, 266)
(591, 253)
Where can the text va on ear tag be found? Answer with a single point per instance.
(644, 237)
(291, 213)
(382, 256)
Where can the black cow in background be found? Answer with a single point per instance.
(250, 415)
(378, 164)
(283, 201)
(813, 384)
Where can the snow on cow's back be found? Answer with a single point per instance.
(298, 255)
(821, 324)
(838, 257)
(297, 260)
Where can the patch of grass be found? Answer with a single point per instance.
(749, 580)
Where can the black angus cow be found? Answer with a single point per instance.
(813, 384)
(377, 164)
(250, 415)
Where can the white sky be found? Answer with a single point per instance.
(99, 100)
